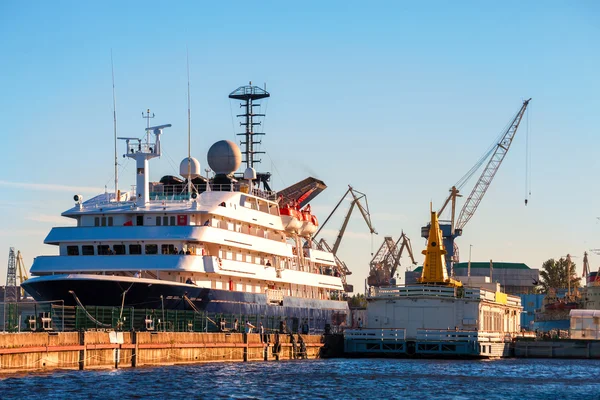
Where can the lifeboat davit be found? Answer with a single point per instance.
(291, 218)
(309, 222)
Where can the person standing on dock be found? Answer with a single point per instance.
(249, 327)
(261, 332)
(235, 325)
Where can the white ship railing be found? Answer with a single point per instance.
(429, 290)
(470, 293)
(449, 335)
(375, 334)
(176, 193)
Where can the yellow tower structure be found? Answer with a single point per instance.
(434, 266)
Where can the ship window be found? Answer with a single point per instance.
(172, 220)
(119, 248)
(139, 220)
(72, 250)
(167, 249)
(157, 221)
(165, 221)
(103, 221)
(151, 249)
(263, 206)
(97, 221)
(87, 250)
(102, 249)
(238, 256)
(135, 249)
(110, 221)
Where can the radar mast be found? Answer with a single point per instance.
(248, 95)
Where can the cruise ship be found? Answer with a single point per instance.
(225, 244)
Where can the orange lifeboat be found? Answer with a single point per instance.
(309, 222)
(291, 218)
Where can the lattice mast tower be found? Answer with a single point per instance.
(11, 291)
(249, 95)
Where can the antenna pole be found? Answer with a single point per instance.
(112, 68)
(147, 116)
(189, 171)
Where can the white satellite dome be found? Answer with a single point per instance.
(224, 157)
(194, 164)
(250, 174)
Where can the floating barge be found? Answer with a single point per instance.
(439, 317)
(436, 321)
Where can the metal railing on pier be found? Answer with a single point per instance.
(55, 316)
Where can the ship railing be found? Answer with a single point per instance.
(135, 147)
(179, 192)
(437, 291)
(424, 290)
(375, 334)
(458, 335)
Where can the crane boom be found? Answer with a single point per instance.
(490, 170)
(405, 245)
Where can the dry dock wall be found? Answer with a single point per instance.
(89, 350)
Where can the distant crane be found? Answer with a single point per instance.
(322, 244)
(12, 293)
(384, 265)
(494, 156)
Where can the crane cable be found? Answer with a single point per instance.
(527, 162)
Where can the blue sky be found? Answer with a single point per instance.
(398, 99)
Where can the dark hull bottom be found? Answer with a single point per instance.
(142, 295)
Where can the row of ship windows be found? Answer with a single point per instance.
(160, 220)
(119, 249)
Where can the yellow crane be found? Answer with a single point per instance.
(434, 266)
(22, 272)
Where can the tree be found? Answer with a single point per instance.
(554, 275)
(357, 301)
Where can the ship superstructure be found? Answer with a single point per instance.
(227, 244)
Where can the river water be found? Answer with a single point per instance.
(322, 379)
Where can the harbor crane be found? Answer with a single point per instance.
(494, 157)
(15, 266)
(356, 198)
(384, 265)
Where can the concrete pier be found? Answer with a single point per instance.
(563, 348)
(97, 349)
